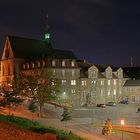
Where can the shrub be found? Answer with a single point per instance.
(41, 130)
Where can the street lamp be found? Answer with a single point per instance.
(64, 95)
(122, 124)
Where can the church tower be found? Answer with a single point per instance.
(47, 33)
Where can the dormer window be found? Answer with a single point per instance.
(43, 63)
(53, 63)
(33, 65)
(108, 72)
(38, 64)
(28, 66)
(120, 73)
(63, 63)
(72, 63)
(24, 66)
(94, 74)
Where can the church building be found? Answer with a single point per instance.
(79, 79)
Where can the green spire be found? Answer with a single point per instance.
(47, 33)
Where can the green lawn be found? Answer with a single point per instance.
(36, 127)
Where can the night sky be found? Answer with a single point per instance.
(99, 31)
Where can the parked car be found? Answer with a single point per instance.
(124, 102)
(111, 104)
(101, 105)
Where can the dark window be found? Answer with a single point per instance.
(3, 71)
(7, 53)
(8, 69)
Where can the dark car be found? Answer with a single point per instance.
(101, 105)
(124, 102)
(111, 104)
(138, 111)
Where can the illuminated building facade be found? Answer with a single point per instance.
(81, 82)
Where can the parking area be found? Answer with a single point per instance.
(90, 120)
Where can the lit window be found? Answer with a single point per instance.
(63, 63)
(53, 83)
(83, 83)
(72, 63)
(93, 82)
(73, 82)
(114, 91)
(53, 63)
(73, 91)
(108, 82)
(102, 82)
(47, 36)
(114, 82)
(108, 93)
(63, 82)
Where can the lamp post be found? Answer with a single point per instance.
(122, 124)
(64, 95)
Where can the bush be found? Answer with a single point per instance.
(41, 130)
